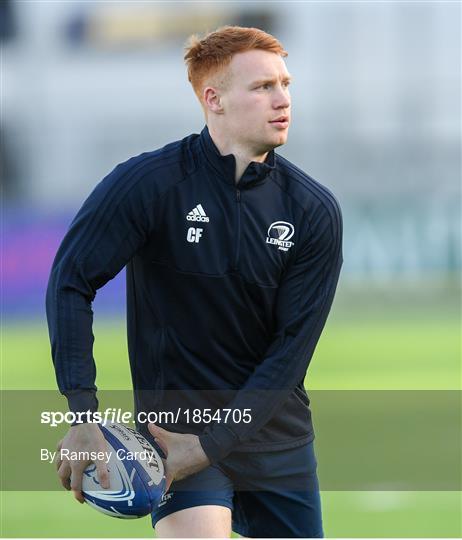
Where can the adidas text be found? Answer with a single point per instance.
(197, 218)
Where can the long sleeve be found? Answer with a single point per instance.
(107, 231)
(304, 299)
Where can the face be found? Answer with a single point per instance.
(255, 101)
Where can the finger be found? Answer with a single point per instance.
(76, 480)
(158, 431)
(168, 482)
(162, 445)
(159, 437)
(103, 474)
(77, 472)
(64, 474)
(78, 495)
(58, 459)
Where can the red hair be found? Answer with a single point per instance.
(208, 56)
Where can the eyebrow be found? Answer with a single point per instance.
(287, 78)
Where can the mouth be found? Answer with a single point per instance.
(281, 122)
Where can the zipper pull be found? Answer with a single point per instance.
(238, 195)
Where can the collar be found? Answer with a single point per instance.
(226, 165)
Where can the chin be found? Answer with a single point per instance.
(268, 143)
(281, 139)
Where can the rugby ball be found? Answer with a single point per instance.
(136, 475)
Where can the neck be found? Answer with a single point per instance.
(242, 154)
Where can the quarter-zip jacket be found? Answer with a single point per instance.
(228, 289)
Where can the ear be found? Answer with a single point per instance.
(213, 100)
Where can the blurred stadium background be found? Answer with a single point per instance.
(376, 117)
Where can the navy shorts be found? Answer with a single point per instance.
(271, 494)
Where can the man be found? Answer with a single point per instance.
(233, 256)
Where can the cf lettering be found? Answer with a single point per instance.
(194, 234)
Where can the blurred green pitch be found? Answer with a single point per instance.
(372, 341)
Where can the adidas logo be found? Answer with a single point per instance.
(197, 214)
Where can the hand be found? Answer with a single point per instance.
(184, 453)
(81, 438)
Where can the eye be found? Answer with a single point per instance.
(263, 86)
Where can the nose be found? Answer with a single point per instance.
(282, 98)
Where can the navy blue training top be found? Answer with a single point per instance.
(228, 288)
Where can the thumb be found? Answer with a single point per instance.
(159, 437)
(157, 431)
